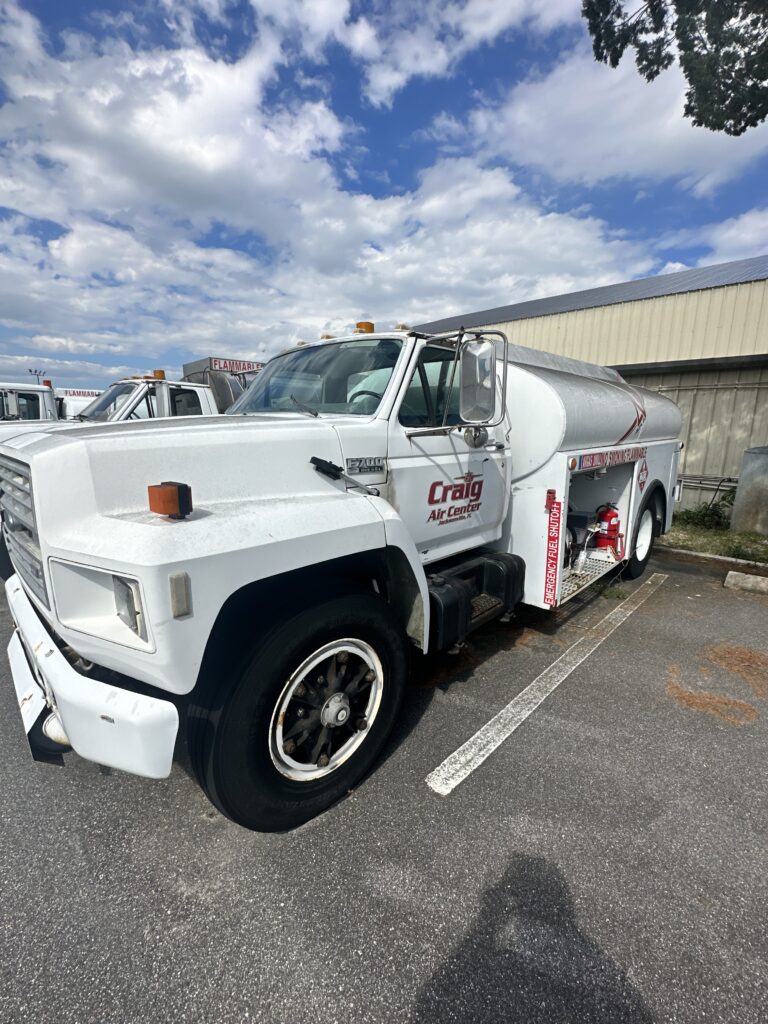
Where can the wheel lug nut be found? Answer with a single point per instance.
(322, 761)
(301, 690)
(361, 723)
(320, 680)
(370, 676)
(300, 712)
(289, 747)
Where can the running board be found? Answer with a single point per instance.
(465, 593)
(592, 570)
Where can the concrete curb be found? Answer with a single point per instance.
(743, 581)
(661, 548)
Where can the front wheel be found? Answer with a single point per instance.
(307, 718)
(643, 544)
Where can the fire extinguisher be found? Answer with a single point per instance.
(610, 527)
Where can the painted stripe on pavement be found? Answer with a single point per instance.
(462, 762)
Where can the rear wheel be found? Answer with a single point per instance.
(643, 543)
(307, 717)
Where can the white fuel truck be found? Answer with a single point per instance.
(264, 575)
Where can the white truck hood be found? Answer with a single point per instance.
(109, 466)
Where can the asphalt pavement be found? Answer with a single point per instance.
(606, 863)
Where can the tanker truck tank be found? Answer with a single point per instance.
(558, 404)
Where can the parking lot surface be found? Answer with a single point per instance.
(605, 862)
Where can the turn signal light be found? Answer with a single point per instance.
(170, 499)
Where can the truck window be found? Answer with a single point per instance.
(146, 407)
(185, 402)
(348, 378)
(424, 401)
(29, 405)
(106, 406)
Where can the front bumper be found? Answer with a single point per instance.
(104, 723)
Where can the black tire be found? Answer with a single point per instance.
(636, 565)
(6, 566)
(232, 734)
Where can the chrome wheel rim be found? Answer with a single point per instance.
(326, 710)
(644, 536)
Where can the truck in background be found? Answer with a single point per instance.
(72, 401)
(265, 575)
(227, 378)
(24, 402)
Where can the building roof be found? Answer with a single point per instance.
(718, 276)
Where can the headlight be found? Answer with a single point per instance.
(100, 603)
(128, 604)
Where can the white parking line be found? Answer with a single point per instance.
(462, 762)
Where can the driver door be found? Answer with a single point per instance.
(451, 497)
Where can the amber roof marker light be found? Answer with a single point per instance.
(171, 499)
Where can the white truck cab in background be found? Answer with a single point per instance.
(24, 402)
(154, 397)
(266, 574)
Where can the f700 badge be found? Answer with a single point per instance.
(365, 464)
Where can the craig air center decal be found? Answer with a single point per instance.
(452, 501)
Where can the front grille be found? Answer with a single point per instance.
(20, 526)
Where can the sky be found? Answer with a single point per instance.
(182, 178)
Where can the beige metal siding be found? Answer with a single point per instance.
(724, 412)
(716, 322)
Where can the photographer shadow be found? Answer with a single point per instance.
(525, 961)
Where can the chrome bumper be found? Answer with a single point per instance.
(104, 723)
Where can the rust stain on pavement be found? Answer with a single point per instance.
(735, 712)
(751, 665)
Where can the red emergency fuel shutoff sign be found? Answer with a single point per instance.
(553, 552)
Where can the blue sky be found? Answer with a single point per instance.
(181, 178)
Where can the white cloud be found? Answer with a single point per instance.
(736, 238)
(587, 123)
(153, 162)
(466, 238)
(64, 371)
(428, 39)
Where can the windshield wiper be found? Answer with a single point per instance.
(304, 408)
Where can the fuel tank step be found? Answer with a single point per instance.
(468, 591)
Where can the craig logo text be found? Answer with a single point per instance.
(455, 500)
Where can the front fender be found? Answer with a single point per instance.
(221, 548)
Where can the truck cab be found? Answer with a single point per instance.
(142, 398)
(27, 402)
(266, 575)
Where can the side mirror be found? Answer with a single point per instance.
(478, 381)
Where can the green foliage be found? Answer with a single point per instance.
(721, 45)
(750, 546)
(713, 515)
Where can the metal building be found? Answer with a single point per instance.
(699, 336)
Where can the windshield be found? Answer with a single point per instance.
(348, 377)
(106, 405)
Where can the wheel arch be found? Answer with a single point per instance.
(255, 607)
(656, 497)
